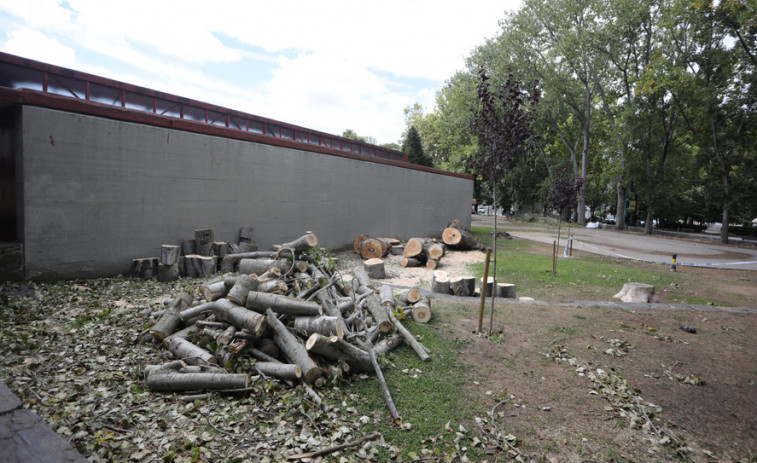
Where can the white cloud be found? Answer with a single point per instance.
(36, 45)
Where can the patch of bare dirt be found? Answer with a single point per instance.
(557, 417)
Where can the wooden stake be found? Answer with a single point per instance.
(483, 290)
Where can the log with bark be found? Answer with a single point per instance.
(374, 267)
(242, 286)
(291, 347)
(278, 370)
(260, 266)
(432, 264)
(413, 261)
(422, 310)
(168, 272)
(179, 382)
(169, 254)
(506, 290)
(440, 283)
(259, 302)
(301, 244)
(325, 325)
(144, 268)
(414, 246)
(637, 292)
(171, 317)
(460, 239)
(272, 286)
(334, 348)
(216, 290)
(245, 234)
(190, 353)
(388, 344)
(198, 266)
(397, 250)
(419, 348)
(386, 296)
(374, 248)
(459, 287)
(434, 250)
(204, 241)
(362, 278)
(358, 241)
(239, 316)
(409, 296)
(230, 261)
(193, 313)
(486, 288)
(379, 313)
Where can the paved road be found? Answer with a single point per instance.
(637, 246)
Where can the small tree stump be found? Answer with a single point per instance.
(636, 292)
(204, 241)
(440, 284)
(375, 268)
(506, 290)
(169, 254)
(144, 268)
(168, 272)
(488, 287)
(459, 287)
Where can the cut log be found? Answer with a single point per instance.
(269, 348)
(637, 292)
(243, 285)
(144, 268)
(169, 254)
(245, 234)
(460, 239)
(412, 262)
(470, 281)
(440, 284)
(178, 382)
(432, 263)
(220, 249)
(214, 291)
(173, 365)
(434, 250)
(379, 313)
(386, 296)
(230, 261)
(272, 286)
(374, 267)
(259, 302)
(198, 266)
(227, 311)
(168, 272)
(388, 344)
(193, 312)
(409, 296)
(338, 349)
(488, 287)
(270, 274)
(419, 348)
(414, 246)
(278, 370)
(260, 266)
(301, 244)
(459, 287)
(244, 247)
(171, 318)
(190, 353)
(325, 325)
(362, 278)
(204, 241)
(506, 290)
(358, 241)
(188, 247)
(292, 348)
(456, 223)
(422, 310)
(374, 248)
(397, 250)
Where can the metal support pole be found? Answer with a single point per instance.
(673, 263)
(554, 257)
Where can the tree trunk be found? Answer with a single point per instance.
(410, 339)
(238, 293)
(409, 296)
(460, 239)
(227, 311)
(171, 317)
(169, 254)
(168, 272)
(648, 222)
(379, 313)
(338, 349)
(325, 325)
(259, 302)
(422, 310)
(620, 210)
(278, 370)
(292, 349)
(440, 284)
(179, 382)
(260, 266)
(374, 267)
(189, 352)
(198, 266)
(459, 287)
(386, 296)
(204, 241)
(230, 261)
(506, 290)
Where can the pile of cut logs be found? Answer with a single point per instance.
(290, 313)
(197, 258)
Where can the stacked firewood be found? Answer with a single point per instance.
(287, 310)
(196, 258)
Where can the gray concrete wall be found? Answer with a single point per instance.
(98, 193)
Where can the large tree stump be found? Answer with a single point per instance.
(168, 272)
(145, 268)
(292, 348)
(459, 287)
(636, 292)
(374, 267)
(239, 316)
(259, 302)
(506, 290)
(171, 381)
(204, 241)
(422, 310)
(169, 254)
(198, 266)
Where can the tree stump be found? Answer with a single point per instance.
(397, 250)
(169, 254)
(422, 310)
(168, 272)
(204, 241)
(375, 268)
(506, 290)
(459, 287)
(488, 287)
(144, 268)
(440, 284)
(245, 234)
(636, 292)
(197, 266)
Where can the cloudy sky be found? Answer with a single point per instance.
(328, 65)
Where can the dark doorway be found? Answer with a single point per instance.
(8, 213)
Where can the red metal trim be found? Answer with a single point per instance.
(123, 98)
(86, 96)
(154, 105)
(44, 81)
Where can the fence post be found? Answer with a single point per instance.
(673, 263)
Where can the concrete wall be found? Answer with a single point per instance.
(98, 193)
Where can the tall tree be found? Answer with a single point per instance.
(414, 148)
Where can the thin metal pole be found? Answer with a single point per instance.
(483, 290)
(554, 257)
